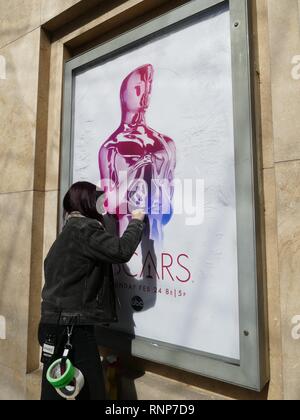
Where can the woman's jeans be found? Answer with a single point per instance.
(84, 356)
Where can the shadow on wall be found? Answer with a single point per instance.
(120, 343)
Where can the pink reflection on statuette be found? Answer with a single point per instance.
(137, 163)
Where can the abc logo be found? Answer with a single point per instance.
(137, 303)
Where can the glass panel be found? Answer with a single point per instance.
(154, 126)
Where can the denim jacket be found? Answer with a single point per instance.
(79, 283)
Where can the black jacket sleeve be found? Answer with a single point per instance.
(102, 246)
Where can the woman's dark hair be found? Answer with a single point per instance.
(83, 197)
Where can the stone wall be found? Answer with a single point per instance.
(36, 36)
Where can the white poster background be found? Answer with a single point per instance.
(191, 102)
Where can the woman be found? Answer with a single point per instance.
(79, 289)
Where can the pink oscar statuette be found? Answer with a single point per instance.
(137, 163)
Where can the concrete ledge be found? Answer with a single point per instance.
(148, 387)
(152, 386)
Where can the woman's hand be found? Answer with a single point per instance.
(138, 215)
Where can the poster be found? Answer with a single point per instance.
(154, 127)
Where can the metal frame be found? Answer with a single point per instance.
(252, 370)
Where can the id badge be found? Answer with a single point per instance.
(48, 349)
